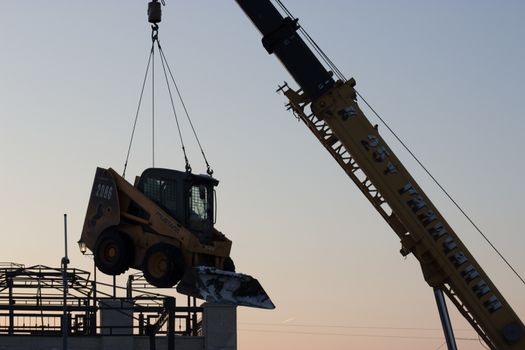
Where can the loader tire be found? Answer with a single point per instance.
(113, 252)
(163, 265)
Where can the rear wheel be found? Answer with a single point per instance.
(163, 265)
(113, 252)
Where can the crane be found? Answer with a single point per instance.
(330, 110)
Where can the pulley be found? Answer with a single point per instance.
(154, 12)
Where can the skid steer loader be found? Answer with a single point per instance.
(163, 225)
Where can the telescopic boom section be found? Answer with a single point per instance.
(281, 38)
(331, 112)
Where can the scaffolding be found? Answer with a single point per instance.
(31, 303)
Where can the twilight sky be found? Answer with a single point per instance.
(448, 76)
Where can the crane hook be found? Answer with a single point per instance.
(154, 32)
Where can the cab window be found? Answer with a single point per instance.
(199, 205)
(163, 192)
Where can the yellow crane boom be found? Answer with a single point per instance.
(329, 109)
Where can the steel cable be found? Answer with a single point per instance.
(442, 188)
(187, 165)
(329, 62)
(163, 57)
(138, 110)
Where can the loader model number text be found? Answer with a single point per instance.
(104, 191)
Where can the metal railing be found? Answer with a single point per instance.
(31, 303)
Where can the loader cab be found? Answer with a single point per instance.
(187, 197)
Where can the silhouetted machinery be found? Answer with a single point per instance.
(163, 225)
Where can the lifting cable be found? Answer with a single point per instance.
(137, 112)
(340, 75)
(313, 44)
(154, 37)
(154, 17)
(442, 188)
(209, 171)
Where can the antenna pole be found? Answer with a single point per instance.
(65, 261)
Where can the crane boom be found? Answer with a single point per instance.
(329, 109)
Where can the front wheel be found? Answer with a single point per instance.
(163, 265)
(113, 252)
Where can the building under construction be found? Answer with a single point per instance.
(35, 313)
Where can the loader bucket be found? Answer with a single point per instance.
(224, 287)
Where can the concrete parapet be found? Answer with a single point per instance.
(116, 316)
(96, 343)
(220, 326)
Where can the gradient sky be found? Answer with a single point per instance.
(448, 76)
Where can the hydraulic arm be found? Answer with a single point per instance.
(330, 110)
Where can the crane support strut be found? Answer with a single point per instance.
(445, 319)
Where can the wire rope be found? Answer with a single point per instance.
(314, 45)
(304, 325)
(153, 105)
(163, 57)
(352, 334)
(447, 194)
(329, 62)
(166, 70)
(138, 110)
(187, 165)
(443, 344)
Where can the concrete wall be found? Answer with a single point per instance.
(97, 343)
(116, 316)
(220, 327)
